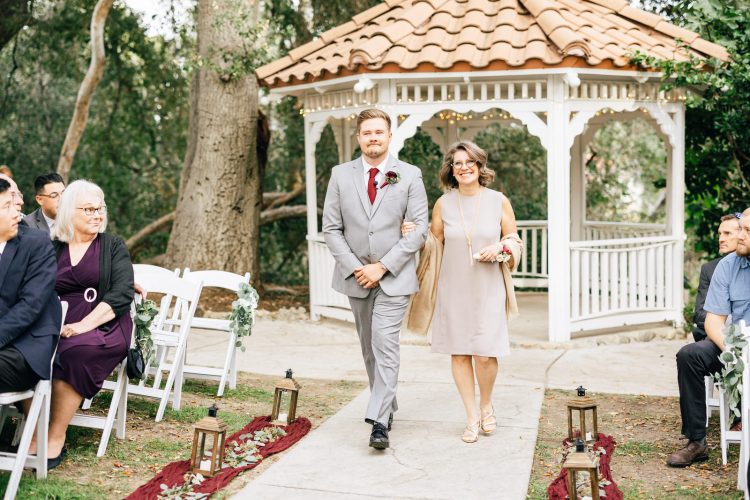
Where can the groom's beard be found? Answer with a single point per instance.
(374, 150)
(742, 250)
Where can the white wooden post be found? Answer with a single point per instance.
(577, 190)
(676, 210)
(313, 129)
(558, 211)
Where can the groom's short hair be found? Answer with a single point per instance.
(369, 114)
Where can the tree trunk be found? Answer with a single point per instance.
(217, 222)
(15, 14)
(86, 91)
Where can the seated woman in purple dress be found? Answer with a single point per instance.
(95, 277)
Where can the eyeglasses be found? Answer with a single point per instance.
(459, 165)
(52, 196)
(89, 211)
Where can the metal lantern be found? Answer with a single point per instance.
(586, 408)
(208, 444)
(285, 400)
(581, 461)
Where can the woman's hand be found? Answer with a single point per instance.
(73, 329)
(489, 253)
(407, 227)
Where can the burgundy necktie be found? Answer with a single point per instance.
(371, 188)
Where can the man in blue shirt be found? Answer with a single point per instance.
(728, 294)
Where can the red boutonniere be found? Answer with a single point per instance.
(391, 177)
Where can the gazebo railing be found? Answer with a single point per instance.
(597, 230)
(532, 270)
(622, 281)
(416, 92)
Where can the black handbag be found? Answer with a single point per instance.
(135, 364)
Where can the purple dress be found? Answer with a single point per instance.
(85, 360)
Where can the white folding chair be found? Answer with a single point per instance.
(168, 334)
(118, 407)
(227, 281)
(713, 403)
(38, 418)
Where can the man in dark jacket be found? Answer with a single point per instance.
(30, 312)
(728, 233)
(48, 188)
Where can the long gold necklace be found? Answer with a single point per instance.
(468, 234)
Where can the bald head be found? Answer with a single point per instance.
(14, 191)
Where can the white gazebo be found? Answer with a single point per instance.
(562, 69)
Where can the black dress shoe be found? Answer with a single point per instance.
(54, 462)
(390, 421)
(379, 436)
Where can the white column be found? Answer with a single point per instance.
(313, 129)
(577, 190)
(558, 211)
(676, 210)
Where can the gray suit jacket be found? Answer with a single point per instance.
(36, 220)
(359, 233)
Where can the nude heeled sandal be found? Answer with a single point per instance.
(471, 433)
(488, 423)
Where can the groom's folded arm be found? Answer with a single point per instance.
(333, 230)
(408, 245)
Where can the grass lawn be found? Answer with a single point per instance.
(647, 430)
(149, 446)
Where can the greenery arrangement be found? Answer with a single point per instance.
(239, 454)
(729, 379)
(145, 312)
(242, 317)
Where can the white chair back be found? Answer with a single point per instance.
(168, 334)
(227, 281)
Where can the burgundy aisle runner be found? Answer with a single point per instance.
(173, 474)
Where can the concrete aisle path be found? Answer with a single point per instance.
(427, 459)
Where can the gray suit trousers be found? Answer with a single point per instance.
(378, 318)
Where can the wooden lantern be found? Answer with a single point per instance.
(585, 406)
(285, 400)
(580, 461)
(208, 444)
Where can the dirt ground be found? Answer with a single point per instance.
(647, 430)
(217, 301)
(149, 446)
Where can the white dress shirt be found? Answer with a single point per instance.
(381, 174)
(50, 222)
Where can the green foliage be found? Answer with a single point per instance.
(626, 172)
(520, 165)
(717, 156)
(242, 317)
(136, 134)
(729, 379)
(145, 313)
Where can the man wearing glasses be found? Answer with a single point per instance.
(48, 188)
(729, 231)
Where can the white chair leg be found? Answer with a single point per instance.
(86, 404)
(233, 366)
(111, 413)
(226, 374)
(42, 432)
(723, 417)
(122, 408)
(173, 373)
(709, 390)
(23, 447)
(179, 379)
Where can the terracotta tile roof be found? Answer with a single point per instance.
(461, 35)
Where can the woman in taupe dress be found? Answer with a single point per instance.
(470, 321)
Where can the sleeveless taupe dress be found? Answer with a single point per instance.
(470, 313)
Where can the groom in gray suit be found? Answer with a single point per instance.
(366, 202)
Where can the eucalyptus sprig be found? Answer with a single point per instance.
(145, 312)
(242, 317)
(729, 379)
(185, 490)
